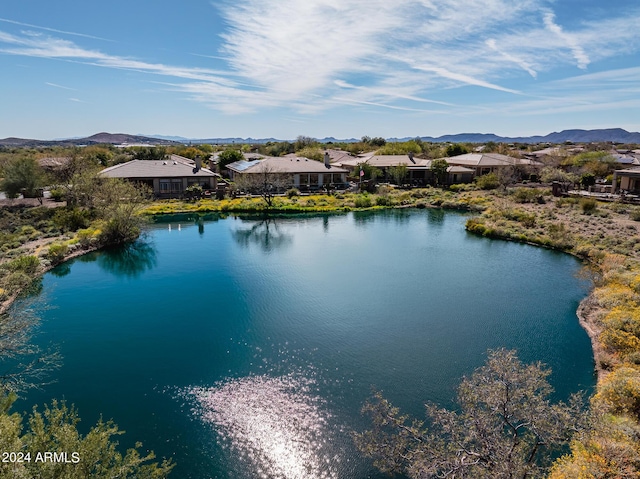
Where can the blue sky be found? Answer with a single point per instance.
(342, 68)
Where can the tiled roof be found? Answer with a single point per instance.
(384, 161)
(155, 169)
(290, 165)
(487, 160)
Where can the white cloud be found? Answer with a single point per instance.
(578, 52)
(491, 43)
(59, 86)
(311, 55)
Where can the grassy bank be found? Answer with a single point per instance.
(384, 198)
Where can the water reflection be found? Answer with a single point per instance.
(61, 270)
(265, 233)
(277, 425)
(131, 260)
(361, 218)
(436, 216)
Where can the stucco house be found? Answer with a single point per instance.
(485, 163)
(418, 169)
(168, 178)
(298, 172)
(629, 181)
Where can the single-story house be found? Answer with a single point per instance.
(168, 178)
(485, 163)
(418, 169)
(629, 180)
(298, 172)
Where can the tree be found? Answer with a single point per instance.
(456, 149)
(267, 183)
(439, 169)
(149, 153)
(587, 180)
(550, 174)
(80, 456)
(22, 174)
(118, 203)
(398, 173)
(370, 172)
(303, 142)
(505, 427)
(227, 157)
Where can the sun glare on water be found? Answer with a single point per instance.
(277, 425)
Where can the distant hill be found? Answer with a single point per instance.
(613, 135)
(98, 138)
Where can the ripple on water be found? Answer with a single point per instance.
(277, 426)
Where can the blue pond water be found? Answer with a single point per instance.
(246, 347)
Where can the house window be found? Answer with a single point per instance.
(170, 186)
(485, 171)
(202, 182)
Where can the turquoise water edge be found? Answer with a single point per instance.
(245, 347)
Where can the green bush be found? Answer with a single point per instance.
(487, 182)
(27, 264)
(588, 205)
(363, 201)
(72, 219)
(383, 201)
(16, 281)
(57, 194)
(57, 252)
(461, 187)
(635, 214)
(527, 195)
(293, 192)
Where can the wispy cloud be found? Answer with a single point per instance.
(491, 43)
(311, 55)
(55, 85)
(29, 25)
(578, 52)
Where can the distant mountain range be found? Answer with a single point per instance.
(613, 135)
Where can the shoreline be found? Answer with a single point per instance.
(588, 313)
(7, 303)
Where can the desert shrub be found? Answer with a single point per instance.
(88, 236)
(72, 219)
(635, 214)
(16, 281)
(293, 192)
(620, 392)
(383, 200)
(57, 194)
(461, 187)
(26, 264)
(363, 201)
(194, 192)
(528, 195)
(384, 190)
(565, 201)
(527, 219)
(57, 252)
(487, 182)
(588, 205)
(420, 192)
